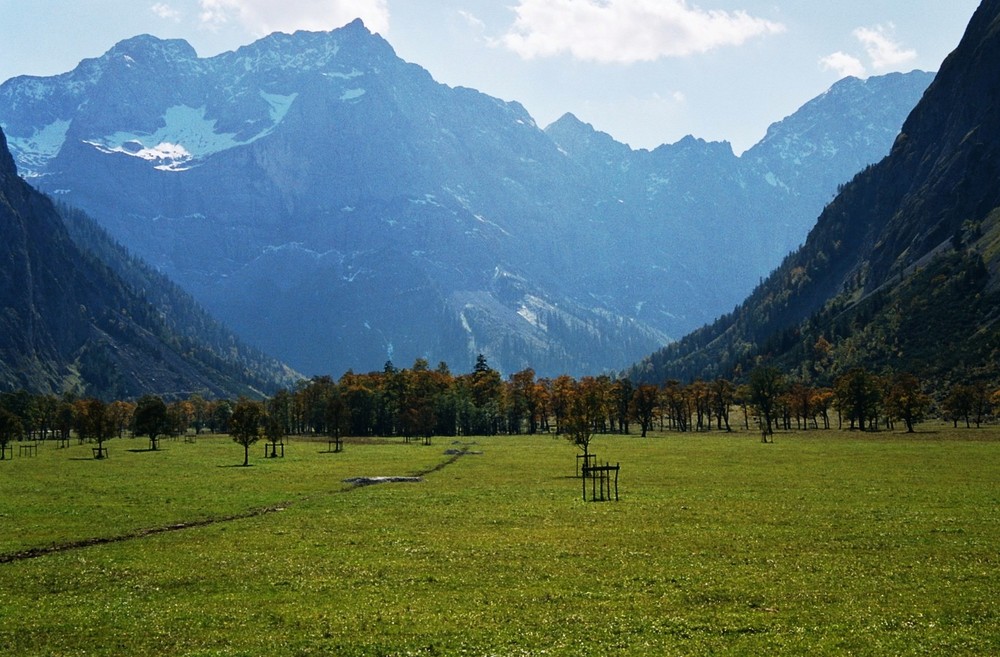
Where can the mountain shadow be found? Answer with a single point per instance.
(68, 323)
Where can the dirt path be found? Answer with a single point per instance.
(34, 553)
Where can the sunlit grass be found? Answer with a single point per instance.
(822, 543)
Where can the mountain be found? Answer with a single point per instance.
(902, 270)
(68, 323)
(338, 207)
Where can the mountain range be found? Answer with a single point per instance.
(69, 323)
(339, 208)
(902, 270)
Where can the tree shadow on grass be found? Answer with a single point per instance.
(235, 465)
(143, 451)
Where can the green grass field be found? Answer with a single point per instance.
(821, 543)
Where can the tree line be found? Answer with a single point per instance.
(422, 402)
(860, 399)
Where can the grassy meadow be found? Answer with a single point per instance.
(824, 542)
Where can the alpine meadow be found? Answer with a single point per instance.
(306, 353)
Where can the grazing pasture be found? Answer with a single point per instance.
(823, 542)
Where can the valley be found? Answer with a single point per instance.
(303, 352)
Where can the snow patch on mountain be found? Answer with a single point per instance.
(774, 181)
(36, 150)
(483, 220)
(279, 108)
(528, 314)
(187, 135)
(355, 73)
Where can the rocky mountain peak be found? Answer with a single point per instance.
(569, 123)
(151, 51)
(351, 45)
(576, 137)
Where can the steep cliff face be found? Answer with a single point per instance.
(68, 323)
(945, 165)
(900, 271)
(35, 296)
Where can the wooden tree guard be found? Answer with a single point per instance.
(335, 444)
(600, 481)
(588, 460)
(271, 449)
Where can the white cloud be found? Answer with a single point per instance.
(627, 31)
(843, 64)
(166, 12)
(472, 20)
(262, 17)
(885, 53)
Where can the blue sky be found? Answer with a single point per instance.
(646, 71)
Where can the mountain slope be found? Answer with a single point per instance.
(338, 207)
(901, 270)
(68, 323)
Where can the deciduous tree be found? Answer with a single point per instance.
(578, 424)
(245, 425)
(906, 401)
(857, 396)
(151, 419)
(766, 385)
(93, 422)
(563, 389)
(219, 414)
(11, 428)
(644, 406)
(622, 391)
(122, 415)
(959, 404)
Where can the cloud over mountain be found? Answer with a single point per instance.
(265, 16)
(844, 64)
(884, 53)
(627, 31)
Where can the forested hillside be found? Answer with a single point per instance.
(187, 324)
(68, 323)
(902, 270)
